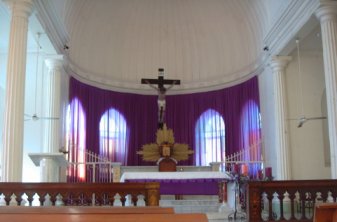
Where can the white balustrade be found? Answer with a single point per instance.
(98, 168)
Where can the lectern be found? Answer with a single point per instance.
(50, 165)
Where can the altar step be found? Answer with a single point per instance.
(214, 210)
(192, 206)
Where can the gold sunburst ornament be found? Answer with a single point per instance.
(165, 147)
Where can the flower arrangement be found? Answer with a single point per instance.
(165, 146)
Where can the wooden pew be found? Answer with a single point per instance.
(96, 214)
(325, 212)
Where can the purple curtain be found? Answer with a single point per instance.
(76, 140)
(182, 113)
(251, 136)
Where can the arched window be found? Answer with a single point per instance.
(75, 140)
(251, 134)
(210, 138)
(113, 136)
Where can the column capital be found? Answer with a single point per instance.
(327, 11)
(20, 8)
(54, 62)
(278, 63)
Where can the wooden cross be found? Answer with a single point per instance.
(161, 93)
(161, 81)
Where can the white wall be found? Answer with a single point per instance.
(33, 130)
(308, 157)
(306, 143)
(3, 68)
(3, 62)
(2, 109)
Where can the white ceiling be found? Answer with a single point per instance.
(114, 43)
(203, 43)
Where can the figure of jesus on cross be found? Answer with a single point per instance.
(161, 93)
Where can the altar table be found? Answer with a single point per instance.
(181, 183)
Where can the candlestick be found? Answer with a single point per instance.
(260, 174)
(268, 172)
(235, 169)
(244, 169)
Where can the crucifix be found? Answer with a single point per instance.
(160, 82)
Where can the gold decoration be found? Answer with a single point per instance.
(150, 152)
(165, 135)
(165, 147)
(181, 151)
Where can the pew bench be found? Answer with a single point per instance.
(325, 212)
(96, 214)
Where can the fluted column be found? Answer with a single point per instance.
(52, 104)
(50, 170)
(278, 65)
(327, 14)
(15, 91)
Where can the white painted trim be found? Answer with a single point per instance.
(292, 20)
(137, 88)
(52, 25)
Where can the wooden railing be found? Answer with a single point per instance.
(79, 194)
(287, 200)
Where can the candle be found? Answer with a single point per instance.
(268, 172)
(235, 168)
(244, 169)
(260, 174)
(224, 192)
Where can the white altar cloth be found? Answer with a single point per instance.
(174, 175)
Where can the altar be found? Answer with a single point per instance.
(181, 183)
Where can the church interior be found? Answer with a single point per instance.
(224, 84)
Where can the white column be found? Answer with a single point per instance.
(50, 168)
(15, 91)
(278, 65)
(327, 14)
(52, 104)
